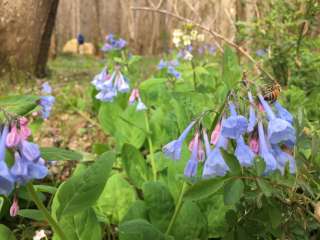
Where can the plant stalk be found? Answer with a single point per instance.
(153, 162)
(177, 208)
(194, 75)
(56, 227)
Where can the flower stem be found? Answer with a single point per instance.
(194, 75)
(177, 209)
(56, 227)
(153, 162)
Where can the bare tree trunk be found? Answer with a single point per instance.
(25, 32)
(46, 40)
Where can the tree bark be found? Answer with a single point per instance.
(46, 40)
(25, 32)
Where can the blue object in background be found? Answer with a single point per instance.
(80, 39)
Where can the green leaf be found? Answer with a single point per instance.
(199, 70)
(45, 189)
(82, 226)
(265, 187)
(115, 200)
(32, 214)
(232, 162)
(259, 166)
(216, 214)
(137, 210)
(231, 71)
(134, 164)
(233, 191)
(1, 203)
(159, 203)
(191, 223)
(5, 233)
(139, 229)
(59, 154)
(204, 188)
(83, 190)
(19, 105)
(126, 126)
(151, 83)
(274, 215)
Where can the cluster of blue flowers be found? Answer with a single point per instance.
(170, 66)
(47, 101)
(28, 164)
(113, 43)
(274, 147)
(109, 85)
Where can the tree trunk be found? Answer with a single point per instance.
(25, 32)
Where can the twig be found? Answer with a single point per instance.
(204, 28)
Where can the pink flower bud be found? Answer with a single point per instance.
(13, 138)
(216, 134)
(201, 154)
(133, 95)
(200, 150)
(25, 132)
(23, 121)
(254, 145)
(14, 209)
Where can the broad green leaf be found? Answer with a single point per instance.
(204, 188)
(19, 105)
(232, 162)
(59, 154)
(139, 229)
(134, 164)
(83, 190)
(233, 191)
(126, 126)
(32, 214)
(115, 200)
(191, 223)
(138, 210)
(5, 233)
(231, 71)
(151, 83)
(159, 203)
(82, 226)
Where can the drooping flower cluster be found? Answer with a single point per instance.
(46, 101)
(273, 147)
(109, 85)
(170, 66)
(135, 97)
(28, 164)
(112, 43)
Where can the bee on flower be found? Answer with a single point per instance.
(262, 130)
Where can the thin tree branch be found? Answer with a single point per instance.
(213, 33)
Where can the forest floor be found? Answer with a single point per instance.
(71, 124)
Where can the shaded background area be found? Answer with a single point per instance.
(31, 29)
(148, 33)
